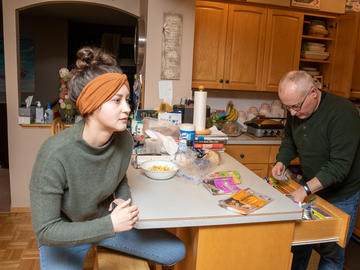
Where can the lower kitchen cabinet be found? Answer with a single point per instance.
(357, 224)
(254, 157)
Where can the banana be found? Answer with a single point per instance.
(233, 115)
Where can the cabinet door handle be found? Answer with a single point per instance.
(227, 81)
(242, 155)
(221, 81)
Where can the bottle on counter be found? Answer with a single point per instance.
(49, 114)
(39, 113)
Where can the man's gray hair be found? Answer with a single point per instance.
(301, 79)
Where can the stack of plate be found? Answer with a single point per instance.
(311, 70)
(314, 50)
(317, 28)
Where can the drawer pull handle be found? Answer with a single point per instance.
(221, 81)
(242, 155)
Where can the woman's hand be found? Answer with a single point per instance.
(278, 170)
(124, 216)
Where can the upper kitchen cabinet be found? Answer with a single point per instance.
(244, 47)
(355, 86)
(344, 55)
(209, 44)
(285, 3)
(228, 46)
(282, 46)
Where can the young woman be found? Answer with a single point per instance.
(80, 174)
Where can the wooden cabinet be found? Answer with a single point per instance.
(355, 85)
(282, 46)
(344, 55)
(228, 46)
(335, 72)
(254, 157)
(209, 44)
(357, 224)
(244, 47)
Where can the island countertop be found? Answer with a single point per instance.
(179, 202)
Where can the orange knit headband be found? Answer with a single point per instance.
(100, 90)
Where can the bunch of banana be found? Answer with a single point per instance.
(232, 114)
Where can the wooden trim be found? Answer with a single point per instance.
(20, 209)
(40, 125)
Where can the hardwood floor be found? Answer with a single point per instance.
(18, 246)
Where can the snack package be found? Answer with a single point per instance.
(218, 186)
(245, 201)
(225, 174)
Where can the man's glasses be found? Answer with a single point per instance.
(297, 107)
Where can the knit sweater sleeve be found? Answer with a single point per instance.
(51, 227)
(287, 151)
(343, 135)
(123, 190)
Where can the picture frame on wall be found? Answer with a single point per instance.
(314, 4)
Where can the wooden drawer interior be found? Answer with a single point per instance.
(322, 230)
(249, 153)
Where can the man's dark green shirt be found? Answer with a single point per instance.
(328, 145)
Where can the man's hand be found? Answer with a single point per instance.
(124, 216)
(299, 194)
(278, 170)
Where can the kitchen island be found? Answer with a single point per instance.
(216, 238)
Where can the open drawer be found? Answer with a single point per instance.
(333, 229)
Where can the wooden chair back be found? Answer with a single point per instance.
(56, 126)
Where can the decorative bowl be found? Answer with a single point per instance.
(159, 169)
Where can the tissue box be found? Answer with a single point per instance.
(23, 111)
(26, 115)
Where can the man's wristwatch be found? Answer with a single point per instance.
(307, 189)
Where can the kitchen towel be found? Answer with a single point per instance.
(199, 119)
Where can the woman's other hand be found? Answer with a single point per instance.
(124, 216)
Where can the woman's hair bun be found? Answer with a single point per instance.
(88, 57)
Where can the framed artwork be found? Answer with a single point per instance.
(315, 4)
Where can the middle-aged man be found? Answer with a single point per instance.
(324, 131)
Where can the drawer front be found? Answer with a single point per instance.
(254, 154)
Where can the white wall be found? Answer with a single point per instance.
(182, 87)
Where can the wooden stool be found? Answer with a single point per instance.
(110, 260)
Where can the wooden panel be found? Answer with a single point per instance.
(245, 246)
(343, 61)
(336, 6)
(260, 170)
(355, 86)
(274, 150)
(282, 46)
(357, 223)
(285, 3)
(245, 47)
(209, 44)
(249, 153)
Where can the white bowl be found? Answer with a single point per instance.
(159, 175)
